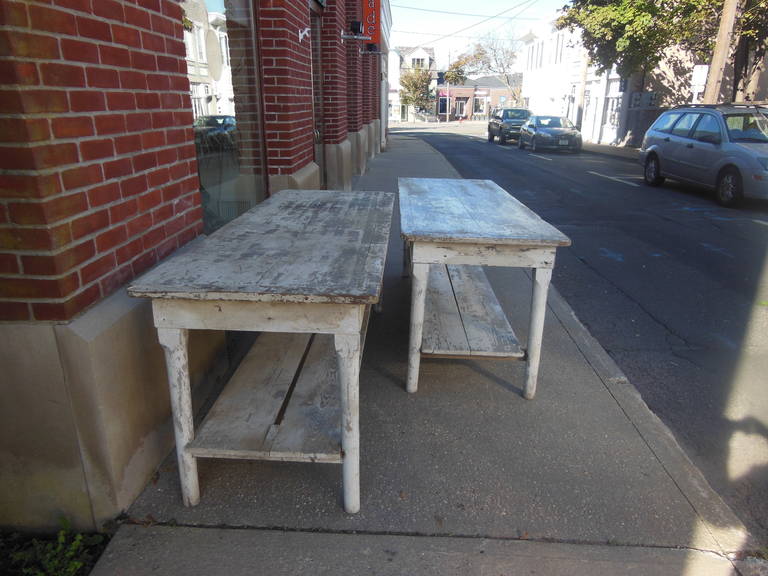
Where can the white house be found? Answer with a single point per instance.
(558, 80)
(404, 59)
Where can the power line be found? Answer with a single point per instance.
(458, 13)
(434, 34)
(525, 5)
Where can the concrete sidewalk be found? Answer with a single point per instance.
(632, 154)
(463, 477)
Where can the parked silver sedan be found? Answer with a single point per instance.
(553, 132)
(723, 147)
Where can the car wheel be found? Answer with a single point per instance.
(502, 138)
(729, 189)
(652, 173)
(490, 135)
(520, 143)
(534, 148)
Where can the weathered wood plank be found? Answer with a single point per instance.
(485, 255)
(298, 245)
(486, 326)
(474, 211)
(443, 332)
(307, 317)
(311, 426)
(238, 424)
(463, 317)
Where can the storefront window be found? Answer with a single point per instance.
(225, 89)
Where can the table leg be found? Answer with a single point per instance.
(419, 277)
(541, 279)
(406, 259)
(348, 358)
(174, 342)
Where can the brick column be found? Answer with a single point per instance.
(99, 178)
(338, 148)
(355, 89)
(367, 82)
(287, 83)
(335, 71)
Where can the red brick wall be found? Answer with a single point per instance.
(355, 86)
(367, 81)
(99, 178)
(287, 84)
(335, 71)
(375, 87)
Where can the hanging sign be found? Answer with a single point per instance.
(372, 20)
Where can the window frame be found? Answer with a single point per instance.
(697, 116)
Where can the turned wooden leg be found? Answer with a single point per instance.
(541, 279)
(174, 342)
(418, 298)
(348, 357)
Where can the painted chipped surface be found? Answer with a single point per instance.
(297, 246)
(476, 223)
(301, 262)
(467, 211)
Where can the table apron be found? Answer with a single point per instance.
(300, 317)
(484, 254)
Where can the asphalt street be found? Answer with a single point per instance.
(673, 286)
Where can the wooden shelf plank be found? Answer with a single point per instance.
(311, 427)
(242, 423)
(463, 317)
(443, 333)
(488, 330)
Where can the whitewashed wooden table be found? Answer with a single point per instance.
(451, 228)
(300, 263)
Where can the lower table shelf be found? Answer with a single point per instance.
(281, 404)
(463, 317)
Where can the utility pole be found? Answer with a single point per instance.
(448, 93)
(721, 52)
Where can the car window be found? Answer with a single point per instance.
(685, 123)
(707, 126)
(666, 121)
(515, 114)
(553, 122)
(747, 127)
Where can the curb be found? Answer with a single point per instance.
(601, 150)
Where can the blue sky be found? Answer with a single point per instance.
(427, 25)
(214, 5)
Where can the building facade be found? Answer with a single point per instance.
(558, 80)
(105, 171)
(404, 59)
(476, 98)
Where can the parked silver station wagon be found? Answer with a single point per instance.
(723, 147)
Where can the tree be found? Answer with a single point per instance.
(415, 88)
(634, 34)
(751, 47)
(494, 56)
(456, 74)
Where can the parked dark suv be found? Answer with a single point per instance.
(505, 123)
(722, 147)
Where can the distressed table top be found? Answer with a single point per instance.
(296, 246)
(470, 211)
